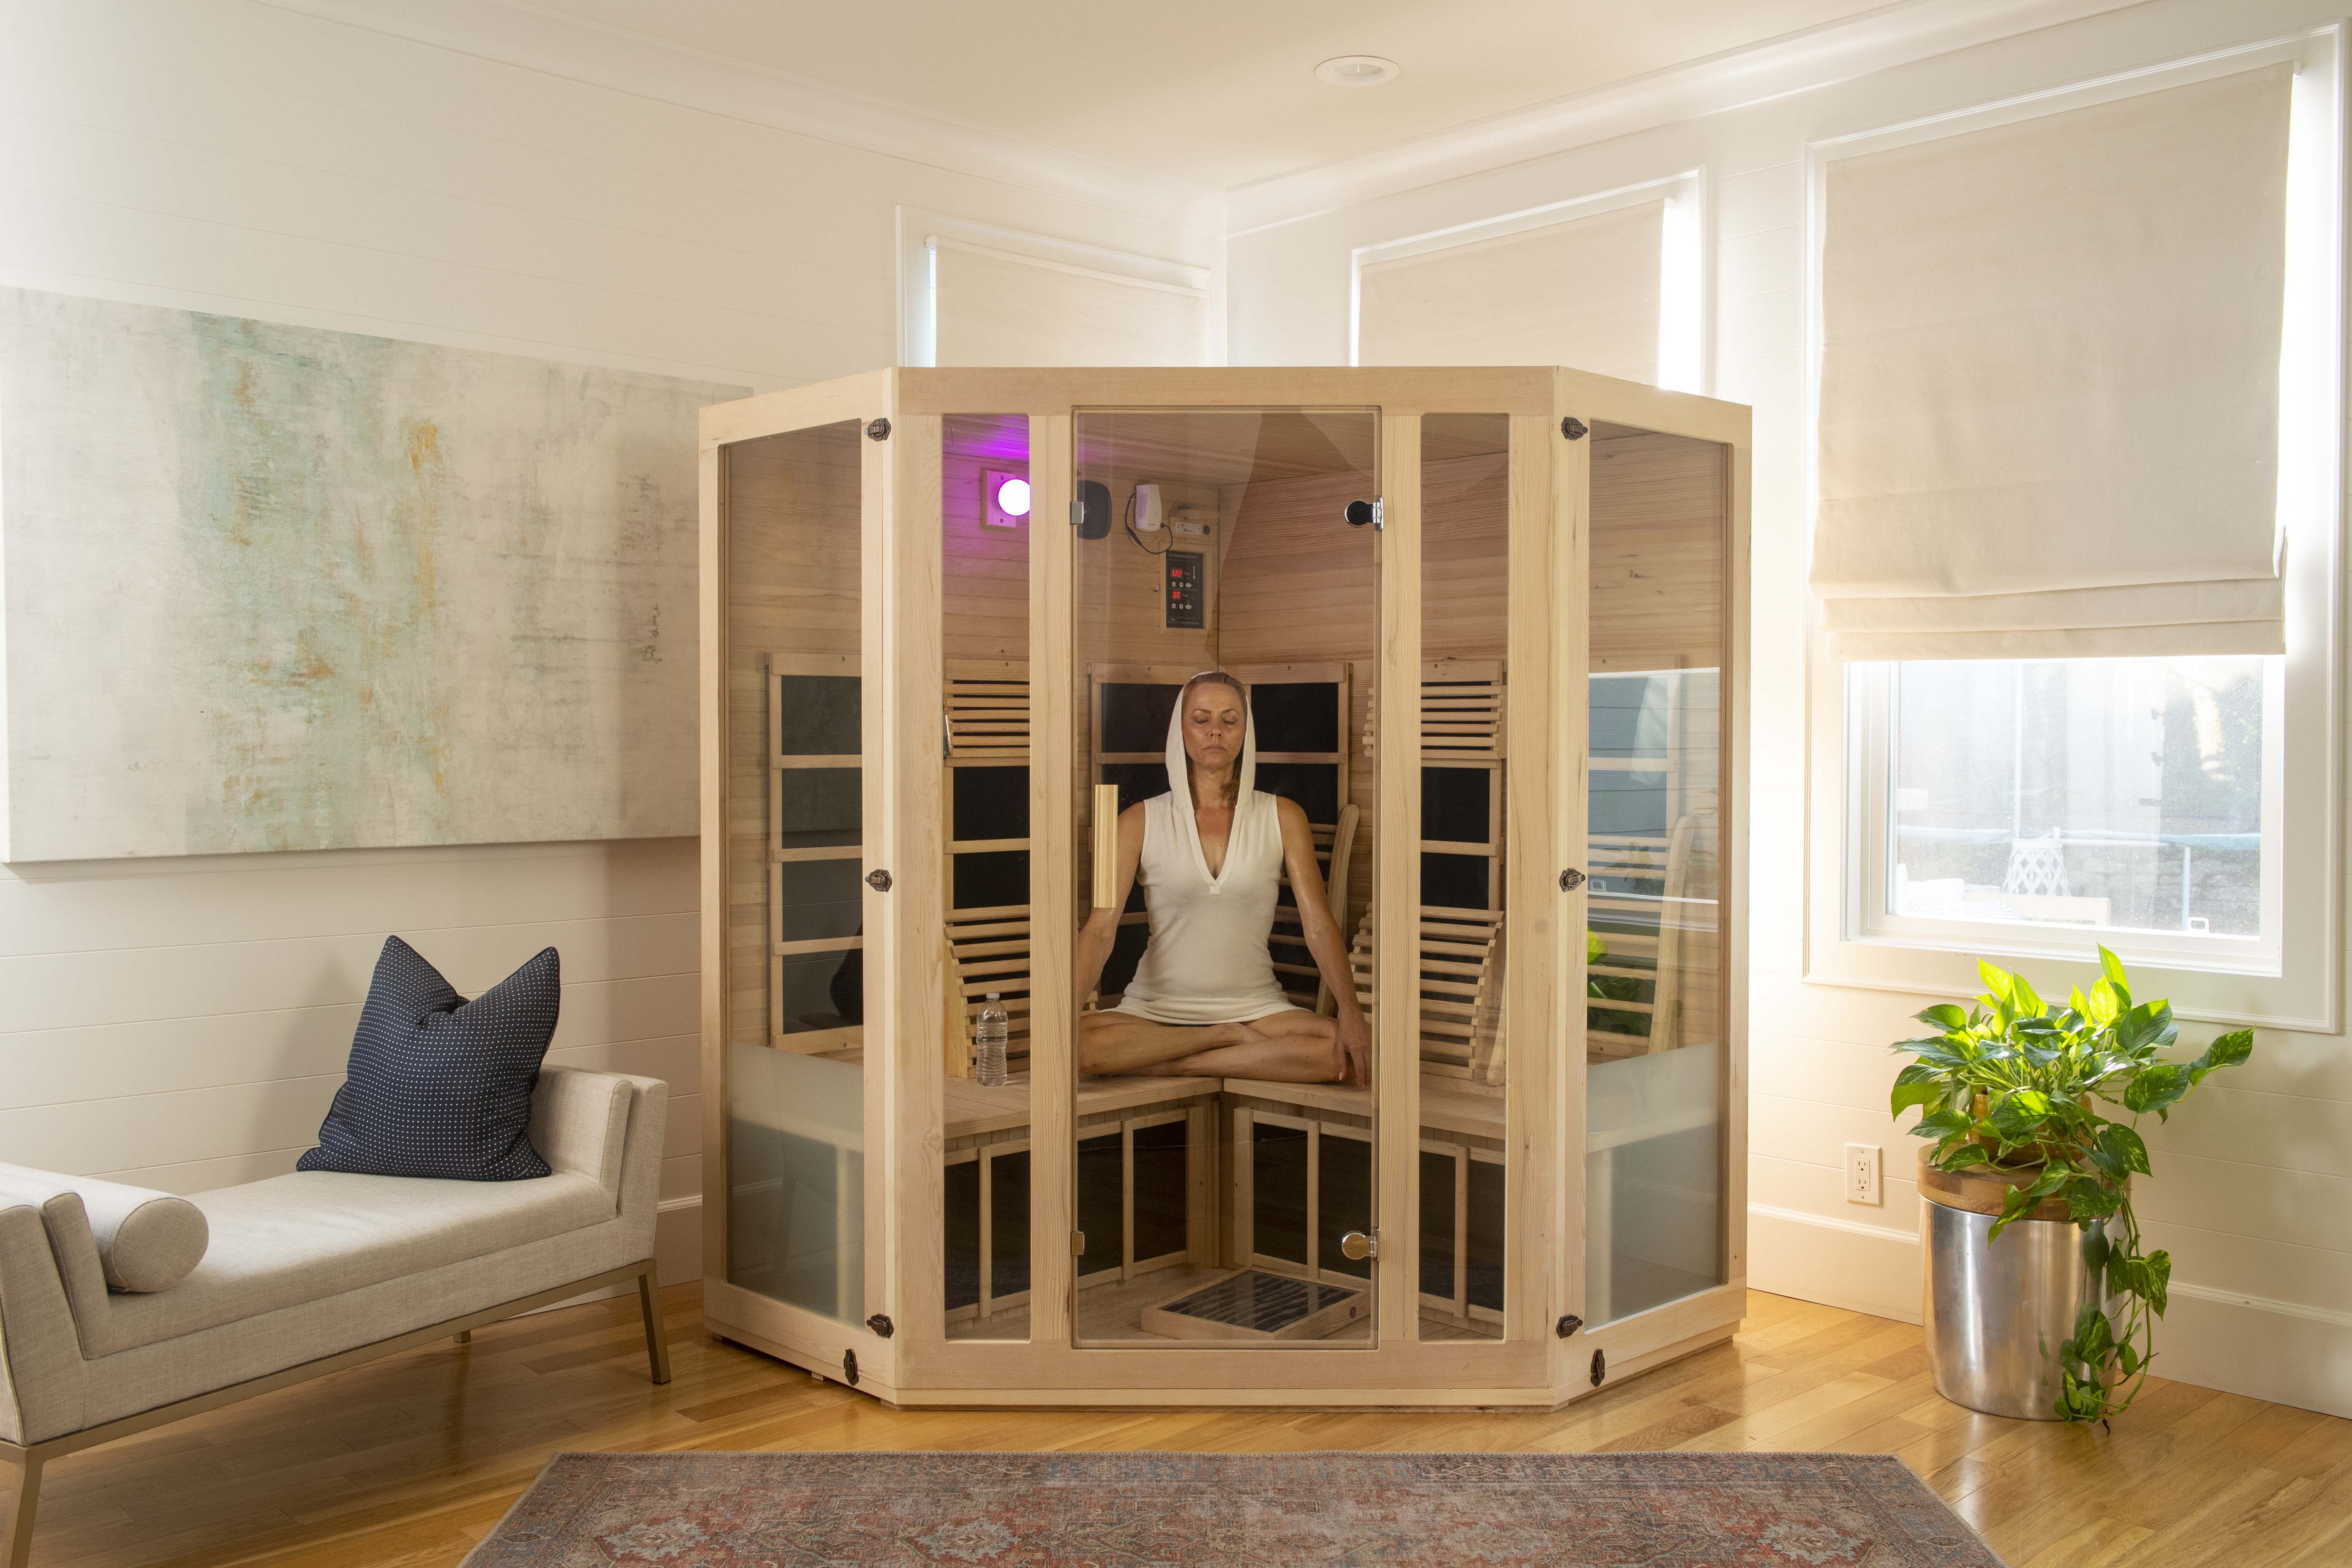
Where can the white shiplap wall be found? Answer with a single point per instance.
(184, 1024)
(2255, 1195)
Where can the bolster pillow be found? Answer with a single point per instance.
(146, 1240)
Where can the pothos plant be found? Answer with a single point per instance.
(1612, 988)
(2017, 1084)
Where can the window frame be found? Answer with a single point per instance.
(2300, 986)
(1685, 285)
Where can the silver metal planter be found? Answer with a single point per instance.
(1997, 1311)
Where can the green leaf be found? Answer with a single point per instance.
(1943, 1124)
(2112, 968)
(2017, 1116)
(2093, 1336)
(2105, 1005)
(1966, 1155)
(2127, 1357)
(2227, 1051)
(1906, 1095)
(1997, 981)
(2156, 1085)
(1944, 1014)
(2158, 1265)
(2089, 1199)
(2025, 999)
(2125, 1146)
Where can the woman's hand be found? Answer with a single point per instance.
(1355, 1048)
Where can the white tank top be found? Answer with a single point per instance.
(1207, 961)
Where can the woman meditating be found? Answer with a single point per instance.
(1204, 1002)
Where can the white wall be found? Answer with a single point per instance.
(2255, 1194)
(184, 1023)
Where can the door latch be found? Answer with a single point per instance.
(878, 880)
(879, 430)
(1571, 879)
(1077, 1244)
(1356, 1246)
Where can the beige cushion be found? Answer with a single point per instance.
(316, 1233)
(146, 1240)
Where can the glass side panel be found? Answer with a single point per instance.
(1465, 508)
(984, 526)
(797, 988)
(1654, 1005)
(1224, 1112)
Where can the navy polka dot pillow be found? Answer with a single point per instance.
(440, 1086)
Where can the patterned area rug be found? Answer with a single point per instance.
(1265, 1511)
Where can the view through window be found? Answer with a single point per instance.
(2126, 796)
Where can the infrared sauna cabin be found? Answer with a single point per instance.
(1489, 623)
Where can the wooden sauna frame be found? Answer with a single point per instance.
(902, 1352)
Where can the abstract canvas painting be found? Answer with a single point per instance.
(268, 587)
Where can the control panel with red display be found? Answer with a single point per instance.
(1186, 593)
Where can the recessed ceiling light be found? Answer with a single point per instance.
(1358, 71)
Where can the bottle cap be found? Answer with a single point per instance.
(992, 995)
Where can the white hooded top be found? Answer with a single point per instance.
(1207, 961)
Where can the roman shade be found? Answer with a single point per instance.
(994, 308)
(1583, 293)
(2049, 387)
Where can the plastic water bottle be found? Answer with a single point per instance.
(995, 1028)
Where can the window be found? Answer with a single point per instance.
(974, 295)
(2070, 759)
(1612, 283)
(2120, 799)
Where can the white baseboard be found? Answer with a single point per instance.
(2280, 1351)
(2284, 1352)
(1838, 1262)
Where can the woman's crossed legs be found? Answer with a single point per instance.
(1292, 1046)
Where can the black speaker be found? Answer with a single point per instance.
(1094, 509)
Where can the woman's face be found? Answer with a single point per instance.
(1214, 723)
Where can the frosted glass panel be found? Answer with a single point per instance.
(1652, 1128)
(796, 1216)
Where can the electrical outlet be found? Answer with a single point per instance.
(1862, 1161)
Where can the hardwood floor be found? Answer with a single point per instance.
(408, 1462)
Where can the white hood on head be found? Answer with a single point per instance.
(1180, 788)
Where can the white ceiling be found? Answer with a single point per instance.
(1220, 92)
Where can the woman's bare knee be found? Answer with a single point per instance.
(1091, 1029)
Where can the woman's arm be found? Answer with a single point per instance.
(1100, 928)
(1324, 939)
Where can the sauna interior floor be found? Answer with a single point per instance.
(410, 1462)
(1111, 1314)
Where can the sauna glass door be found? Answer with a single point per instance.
(801, 807)
(1657, 1058)
(1223, 1122)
